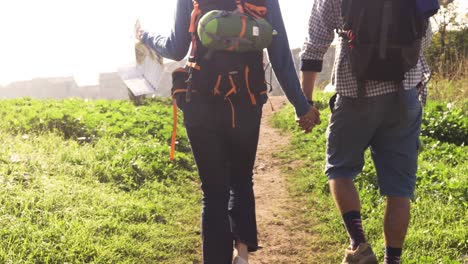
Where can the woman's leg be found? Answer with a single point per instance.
(243, 141)
(209, 150)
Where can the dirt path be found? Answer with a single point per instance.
(282, 236)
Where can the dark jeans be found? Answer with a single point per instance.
(225, 159)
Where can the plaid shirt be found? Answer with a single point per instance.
(324, 19)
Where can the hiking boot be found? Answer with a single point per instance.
(239, 260)
(363, 254)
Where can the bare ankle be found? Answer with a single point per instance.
(242, 250)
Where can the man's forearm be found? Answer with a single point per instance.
(308, 81)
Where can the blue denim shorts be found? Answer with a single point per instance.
(389, 130)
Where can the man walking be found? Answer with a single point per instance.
(376, 106)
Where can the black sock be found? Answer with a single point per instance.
(392, 255)
(353, 225)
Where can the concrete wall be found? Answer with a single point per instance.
(112, 87)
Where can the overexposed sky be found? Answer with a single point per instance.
(81, 38)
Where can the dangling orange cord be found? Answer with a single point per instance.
(174, 130)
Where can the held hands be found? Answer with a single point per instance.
(308, 121)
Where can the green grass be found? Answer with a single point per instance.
(91, 182)
(438, 231)
(454, 92)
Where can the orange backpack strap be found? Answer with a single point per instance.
(254, 10)
(247, 83)
(194, 18)
(240, 7)
(175, 120)
(196, 13)
(174, 130)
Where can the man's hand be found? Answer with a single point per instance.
(312, 118)
(308, 121)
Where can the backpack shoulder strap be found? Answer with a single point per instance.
(254, 10)
(194, 17)
(198, 10)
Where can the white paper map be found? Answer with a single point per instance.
(145, 76)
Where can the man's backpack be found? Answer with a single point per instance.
(384, 37)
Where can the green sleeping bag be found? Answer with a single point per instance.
(221, 30)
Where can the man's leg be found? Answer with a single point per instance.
(396, 221)
(351, 128)
(345, 195)
(395, 153)
(346, 199)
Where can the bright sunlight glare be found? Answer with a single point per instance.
(82, 38)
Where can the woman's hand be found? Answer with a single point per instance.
(138, 31)
(308, 121)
